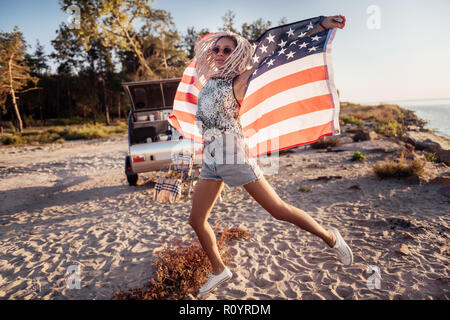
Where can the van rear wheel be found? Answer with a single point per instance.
(132, 178)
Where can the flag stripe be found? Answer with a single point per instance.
(186, 97)
(187, 88)
(284, 70)
(188, 79)
(185, 106)
(305, 121)
(292, 110)
(292, 139)
(190, 70)
(184, 116)
(288, 82)
(190, 130)
(281, 99)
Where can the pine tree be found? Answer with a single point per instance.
(68, 53)
(254, 30)
(70, 57)
(38, 68)
(38, 60)
(14, 70)
(188, 41)
(228, 22)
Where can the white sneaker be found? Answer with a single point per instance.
(341, 248)
(215, 280)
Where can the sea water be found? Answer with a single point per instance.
(435, 112)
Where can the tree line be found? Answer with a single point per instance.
(92, 58)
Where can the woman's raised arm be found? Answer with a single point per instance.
(240, 83)
(329, 23)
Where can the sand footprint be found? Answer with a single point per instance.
(282, 246)
(276, 275)
(345, 292)
(237, 294)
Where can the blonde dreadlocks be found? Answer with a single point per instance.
(235, 64)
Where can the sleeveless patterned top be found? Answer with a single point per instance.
(217, 107)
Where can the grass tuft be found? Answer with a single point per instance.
(399, 168)
(61, 134)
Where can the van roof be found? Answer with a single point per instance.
(141, 82)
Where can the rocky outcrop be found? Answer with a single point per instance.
(427, 145)
(365, 135)
(444, 156)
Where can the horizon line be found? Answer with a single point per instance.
(397, 100)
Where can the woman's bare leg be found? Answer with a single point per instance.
(205, 195)
(264, 194)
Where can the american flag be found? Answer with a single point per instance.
(184, 109)
(291, 98)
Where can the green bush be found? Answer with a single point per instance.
(86, 132)
(47, 137)
(92, 132)
(12, 127)
(30, 133)
(358, 156)
(350, 119)
(389, 128)
(431, 157)
(11, 139)
(119, 128)
(305, 188)
(398, 112)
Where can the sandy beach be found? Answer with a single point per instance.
(70, 205)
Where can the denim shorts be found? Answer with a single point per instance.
(229, 163)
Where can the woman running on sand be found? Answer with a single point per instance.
(222, 58)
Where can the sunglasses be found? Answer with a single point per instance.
(226, 51)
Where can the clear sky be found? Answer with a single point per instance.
(389, 50)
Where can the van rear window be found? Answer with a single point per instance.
(158, 95)
(147, 96)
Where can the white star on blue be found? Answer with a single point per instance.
(284, 45)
